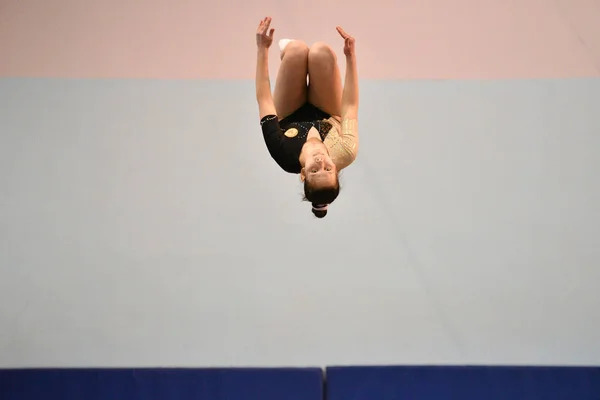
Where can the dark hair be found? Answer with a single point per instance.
(321, 196)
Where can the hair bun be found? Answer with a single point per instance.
(319, 213)
(319, 210)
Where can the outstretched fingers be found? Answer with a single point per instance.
(342, 32)
(266, 24)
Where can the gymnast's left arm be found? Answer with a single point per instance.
(264, 39)
(350, 96)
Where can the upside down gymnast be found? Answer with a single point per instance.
(310, 129)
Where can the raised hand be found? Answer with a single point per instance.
(349, 49)
(264, 36)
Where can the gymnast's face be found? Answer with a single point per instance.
(319, 168)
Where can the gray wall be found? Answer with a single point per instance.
(143, 223)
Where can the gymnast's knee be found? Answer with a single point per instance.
(322, 53)
(296, 49)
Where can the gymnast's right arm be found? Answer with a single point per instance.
(349, 113)
(350, 93)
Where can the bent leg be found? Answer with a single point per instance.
(290, 87)
(324, 79)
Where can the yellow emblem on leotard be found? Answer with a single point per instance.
(291, 132)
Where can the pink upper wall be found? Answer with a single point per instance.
(583, 18)
(406, 39)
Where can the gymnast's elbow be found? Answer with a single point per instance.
(350, 111)
(266, 106)
(263, 90)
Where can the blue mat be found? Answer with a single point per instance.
(463, 383)
(161, 384)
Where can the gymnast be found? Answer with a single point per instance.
(310, 129)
